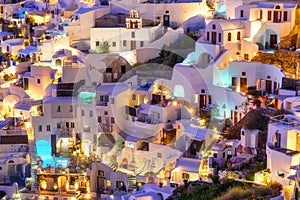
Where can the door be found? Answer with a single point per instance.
(213, 37)
(269, 86)
(275, 87)
(235, 117)
(277, 16)
(243, 84)
(133, 44)
(273, 40)
(202, 101)
(100, 184)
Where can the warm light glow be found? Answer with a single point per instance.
(43, 184)
(76, 185)
(174, 103)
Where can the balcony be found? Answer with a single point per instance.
(285, 121)
(66, 133)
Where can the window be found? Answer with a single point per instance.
(112, 100)
(58, 125)
(97, 43)
(159, 155)
(269, 15)
(91, 113)
(260, 14)
(132, 34)
(202, 91)
(277, 139)
(48, 127)
(40, 128)
(124, 43)
(133, 97)
(229, 37)
(224, 154)
(112, 120)
(58, 109)
(243, 132)
(238, 36)
(123, 69)
(114, 44)
(119, 184)
(243, 73)
(87, 128)
(229, 152)
(220, 37)
(242, 13)
(246, 56)
(38, 81)
(209, 99)
(7, 48)
(82, 112)
(105, 112)
(289, 105)
(285, 13)
(100, 173)
(70, 108)
(233, 81)
(207, 36)
(141, 43)
(72, 125)
(185, 176)
(215, 155)
(239, 46)
(99, 119)
(213, 26)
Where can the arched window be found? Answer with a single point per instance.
(277, 7)
(238, 37)
(58, 63)
(229, 37)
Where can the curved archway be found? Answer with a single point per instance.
(179, 91)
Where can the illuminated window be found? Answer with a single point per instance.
(196, 98)
(185, 176)
(87, 128)
(100, 173)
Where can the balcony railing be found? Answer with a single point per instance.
(107, 128)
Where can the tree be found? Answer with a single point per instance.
(103, 47)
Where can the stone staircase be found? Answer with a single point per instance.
(34, 164)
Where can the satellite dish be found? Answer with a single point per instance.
(143, 82)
